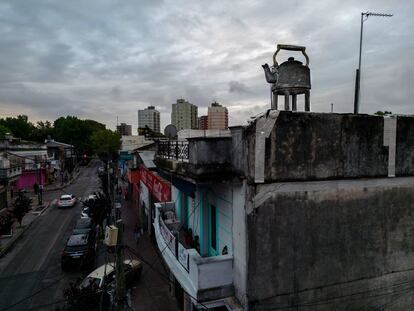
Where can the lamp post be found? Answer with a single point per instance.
(364, 17)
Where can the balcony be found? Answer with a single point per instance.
(198, 158)
(204, 278)
(10, 173)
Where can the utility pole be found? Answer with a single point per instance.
(364, 17)
(120, 292)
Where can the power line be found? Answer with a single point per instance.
(160, 273)
(41, 290)
(329, 300)
(334, 284)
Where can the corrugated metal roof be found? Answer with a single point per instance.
(147, 157)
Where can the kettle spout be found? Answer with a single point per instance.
(271, 77)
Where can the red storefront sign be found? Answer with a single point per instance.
(156, 185)
(133, 177)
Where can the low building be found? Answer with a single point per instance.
(31, 157)
(295, 210)
(203, 123)
(62, 158)
(124, 129)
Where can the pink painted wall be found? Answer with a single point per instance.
(28, 179)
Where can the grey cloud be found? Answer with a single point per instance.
(237, 87)
(101, 59)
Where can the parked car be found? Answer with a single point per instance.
(66, 200)
(132, 269)
(101, 170)
(79, 251)
(83, 226)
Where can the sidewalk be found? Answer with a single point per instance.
(7, 242)
(152, 292)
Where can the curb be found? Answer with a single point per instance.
(19, 235)
(7, 248)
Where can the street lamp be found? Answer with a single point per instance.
(364, 17)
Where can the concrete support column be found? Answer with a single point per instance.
(294, 102)
(307, 101)
(274, 101)
(287, 102)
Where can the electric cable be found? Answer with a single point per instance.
(161, 274)
(317, 302)
(42, 289)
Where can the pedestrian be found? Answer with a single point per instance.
(137, 233)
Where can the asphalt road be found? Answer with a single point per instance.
(30, 273)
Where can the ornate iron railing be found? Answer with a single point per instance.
(176, 150)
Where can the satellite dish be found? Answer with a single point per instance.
(170, 131)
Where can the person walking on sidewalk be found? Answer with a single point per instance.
(137, 233)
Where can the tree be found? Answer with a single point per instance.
(42, 130)
(106, 143)
(20, 126)
(21, 207)
(383, 113)
(85, 298)
(4, 130)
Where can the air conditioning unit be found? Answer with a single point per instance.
(111, 235)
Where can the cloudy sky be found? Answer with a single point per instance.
(101, 59)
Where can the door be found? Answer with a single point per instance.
(212, 231)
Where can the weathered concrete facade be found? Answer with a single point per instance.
(326, 228)
(317, 146)
(312, 241)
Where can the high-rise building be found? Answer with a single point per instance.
(203, 123)
(124, 129)
(184, 115)
(218, 117)
(149, 117)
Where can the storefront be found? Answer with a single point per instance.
(153, 189)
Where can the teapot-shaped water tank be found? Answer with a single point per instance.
(290, 78)
(293, 74)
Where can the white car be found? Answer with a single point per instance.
(66, 200)
(132, 270)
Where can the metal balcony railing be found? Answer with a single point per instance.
(175, 150)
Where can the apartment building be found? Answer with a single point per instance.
(184, 115)
(149, 117)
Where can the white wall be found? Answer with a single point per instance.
(240, 243)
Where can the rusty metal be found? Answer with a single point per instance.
(290, 78)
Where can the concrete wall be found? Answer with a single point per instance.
(209, 150)
(239, 150)
(312, 241)
(315, 146)
(240, 242)
(405, 143)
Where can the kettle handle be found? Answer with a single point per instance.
(290, 48)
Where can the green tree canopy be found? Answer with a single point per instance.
(383, 113)
(106, 143)
(4, 130)
(19, 127)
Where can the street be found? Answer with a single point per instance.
(30, 274)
